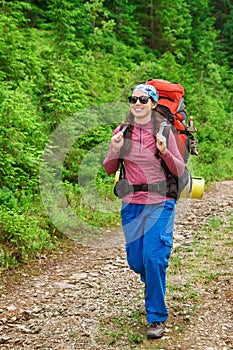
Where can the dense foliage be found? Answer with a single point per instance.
(59, 58)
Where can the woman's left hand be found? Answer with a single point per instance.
(161, 143)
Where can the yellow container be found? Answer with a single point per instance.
(197, 187)
(116, 178)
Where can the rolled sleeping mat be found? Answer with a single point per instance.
(198, 186)
(117, 176)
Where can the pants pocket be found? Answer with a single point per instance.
(167, 238)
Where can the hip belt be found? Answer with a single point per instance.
(122, 188)
(158, 187)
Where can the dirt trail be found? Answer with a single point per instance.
(81, 298)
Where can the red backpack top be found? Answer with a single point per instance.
(171, 95)
(171, 98)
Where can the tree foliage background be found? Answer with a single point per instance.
(58, 57)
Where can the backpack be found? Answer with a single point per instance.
(171, 103)
(171, 95)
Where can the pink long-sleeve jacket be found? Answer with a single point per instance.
(141, 165)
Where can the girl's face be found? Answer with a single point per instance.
(141, 109)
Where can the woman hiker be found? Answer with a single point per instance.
(147, 213)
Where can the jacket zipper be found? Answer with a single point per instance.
(140, 147)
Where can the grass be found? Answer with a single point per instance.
(123, 327)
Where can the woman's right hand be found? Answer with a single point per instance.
(117, 142)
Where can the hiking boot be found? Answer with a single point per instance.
(155, 330)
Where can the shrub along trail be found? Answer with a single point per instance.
(85, 297)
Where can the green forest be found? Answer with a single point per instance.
(66, 69)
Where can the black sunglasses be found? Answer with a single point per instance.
(142, 99)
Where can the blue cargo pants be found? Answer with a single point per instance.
(148, 230)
